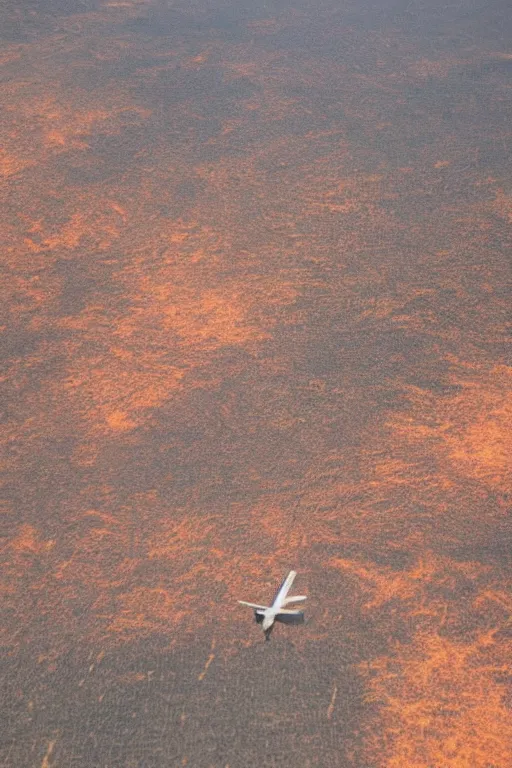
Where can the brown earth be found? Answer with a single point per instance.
(256, 305)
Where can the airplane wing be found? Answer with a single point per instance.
(254, 605)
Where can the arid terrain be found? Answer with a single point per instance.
(256, 316)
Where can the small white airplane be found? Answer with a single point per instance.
(266, 615)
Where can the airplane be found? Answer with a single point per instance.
(267, 615)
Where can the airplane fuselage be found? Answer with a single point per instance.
(279, 601)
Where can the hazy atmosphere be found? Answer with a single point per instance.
(255, 308)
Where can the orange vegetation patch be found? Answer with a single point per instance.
(225, 313)
(292, 528)
(12, 163)
(143, 569)
(144, 610)
(197, 581)
(26, 293)
(115, 391)
(442, 703)
(99, 224)
(441, 694)
(212, 317)
(65, 128)
(355, 194)
(473, 427)
(502, 205)
(413, 585)
(25, 558)
(29, 542)
(167, 322)
(104, 558)
(183, 538)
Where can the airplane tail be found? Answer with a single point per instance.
(296, 599)
(290, 617)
